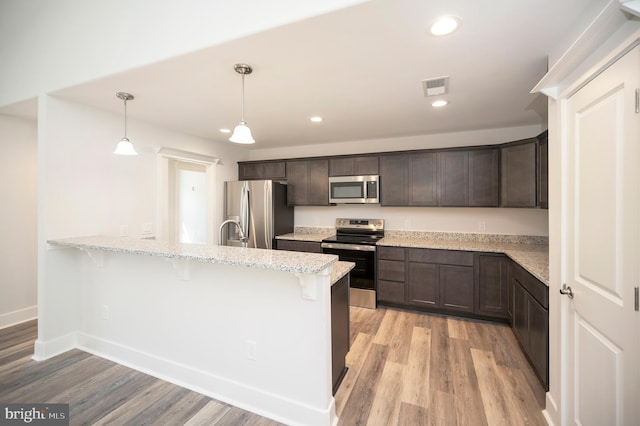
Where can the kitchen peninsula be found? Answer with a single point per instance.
(249, 327)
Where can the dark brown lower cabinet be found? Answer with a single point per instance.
(447, 287)
(493, 281)
(456, 285)
(530, 319)
(295, 245)
(339, 330)
(390, 275)
(423, 284)
(441, 279)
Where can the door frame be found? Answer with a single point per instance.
(606, 38)
(164, 187)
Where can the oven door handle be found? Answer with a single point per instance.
(348, 246)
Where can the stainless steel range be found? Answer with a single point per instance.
(355, 241)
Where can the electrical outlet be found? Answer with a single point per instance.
(482, 226)
(407, 224)
(146, 229)
(251, 349)
(105, 312)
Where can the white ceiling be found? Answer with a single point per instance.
(361, 69)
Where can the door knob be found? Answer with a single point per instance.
(566, 290)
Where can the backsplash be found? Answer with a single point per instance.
(507, 221)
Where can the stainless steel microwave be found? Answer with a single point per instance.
(354, 190)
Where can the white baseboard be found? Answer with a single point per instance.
(241, 395)
(551, 411)
(44, 350)
(16, 317)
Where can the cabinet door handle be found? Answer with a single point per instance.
(566, 290)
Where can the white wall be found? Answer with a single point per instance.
(434, 219)
(18, 227)
(67, 42)
(86, 190)
(437, 219)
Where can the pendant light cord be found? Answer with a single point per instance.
(242, 98)
(125, 119)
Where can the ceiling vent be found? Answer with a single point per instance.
(435, 86)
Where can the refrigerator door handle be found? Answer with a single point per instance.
(244, 210)
(268, 213)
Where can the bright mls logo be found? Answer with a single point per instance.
(34, 414)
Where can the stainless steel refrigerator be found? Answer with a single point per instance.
(260, 207)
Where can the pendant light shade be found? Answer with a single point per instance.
(125, 147)
(242, 133)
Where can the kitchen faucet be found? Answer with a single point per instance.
(243, 238)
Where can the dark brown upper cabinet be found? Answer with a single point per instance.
(353, 166)
(519, 174)
(260, 170)
(394, 180)
(543, 170)
(453, 173)
(447, 178)
(484, 178)
(409, 180)
(308, 182)
(514, 174)
(423, 179)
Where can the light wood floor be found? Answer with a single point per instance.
(405, 368)
(408, 368)
(101, 392)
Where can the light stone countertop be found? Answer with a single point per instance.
(340, 269)
(530, 252)
(296, 262)
(311, 237)
(532, 257)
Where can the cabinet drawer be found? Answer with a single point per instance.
(443, 257)
(295, 245)
(391, 270)
(535, 287)
(390, 291)
(391, 253)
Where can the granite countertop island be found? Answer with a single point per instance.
(255, 258)
(251, 327)
(239, 256)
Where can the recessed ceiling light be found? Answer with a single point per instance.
(316, 119)
(439, 103)
(225, 130)
(445, 25)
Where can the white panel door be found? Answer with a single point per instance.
(602, 357)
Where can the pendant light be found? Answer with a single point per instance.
(242, 133)
(125, 147)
